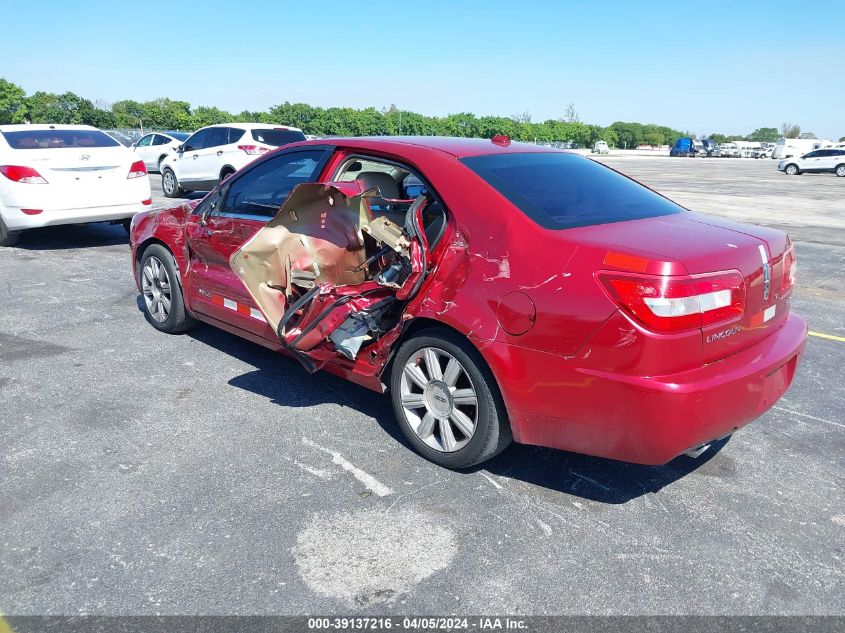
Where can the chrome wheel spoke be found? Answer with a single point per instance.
(432, 364)
(414, 372)
(452, 373)
(447, 437)
(413, 400)
(464, 397)
(462, 421)
(426, 427)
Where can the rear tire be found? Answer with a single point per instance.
(164, 305)
(7, 237)
(792, 170)
(169, 184)
(446, 400)
(840, 171)
(225, 173)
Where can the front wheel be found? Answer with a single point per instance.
(164, 305)
(169, 184)
(791, 170)
(840, 171)
(7, 237)
(446, 400)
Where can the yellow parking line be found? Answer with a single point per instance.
(4, 626)
(831, 337)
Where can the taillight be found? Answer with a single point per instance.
(254, 149)
(677, 303)
(137, 170)
(24, 175)
(790, 264)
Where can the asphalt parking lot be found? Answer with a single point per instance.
(145, 473)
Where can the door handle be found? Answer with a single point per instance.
(196, 156)
(220, 152)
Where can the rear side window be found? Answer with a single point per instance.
(235, 134)
(51, 139)
(277, 137)
(262, 189)
(562, 191)
(217, 136)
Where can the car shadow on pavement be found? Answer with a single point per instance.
(285, 382)
(69, 236)
(597, 479)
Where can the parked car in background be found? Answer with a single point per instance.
(631, 328)
(831, 159)
(212, 153)
(728, 150)
(600, 148)
(66, 174)
(154, 148)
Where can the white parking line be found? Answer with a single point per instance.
(812, 417)
(370, 482)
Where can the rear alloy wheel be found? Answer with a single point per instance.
(7, 237)
(446, 401)
(164, 306)
(840, 171)
(791, 170)
(169, 184)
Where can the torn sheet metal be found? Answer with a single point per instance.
(315, 239)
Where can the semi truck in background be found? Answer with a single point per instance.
(686, 146)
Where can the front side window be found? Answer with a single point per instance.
(263, 189)
(147, 140)
(561, 191)
(196, 141)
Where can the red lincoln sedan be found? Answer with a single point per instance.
(497, 291)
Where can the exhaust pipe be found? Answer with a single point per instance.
(696, 452)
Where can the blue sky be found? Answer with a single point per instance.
(705, 66)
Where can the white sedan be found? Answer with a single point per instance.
(154, 148)
(66, 174)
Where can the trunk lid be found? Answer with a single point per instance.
(706, 245)
(90, 177)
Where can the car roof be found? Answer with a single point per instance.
(253, 126)
(23, 127)
(459, 147)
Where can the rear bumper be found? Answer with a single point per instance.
(17, 220)
(650, 420)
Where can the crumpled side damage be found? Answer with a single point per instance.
(328, 276)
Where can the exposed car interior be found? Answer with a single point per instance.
(398, 187)
(328, 276)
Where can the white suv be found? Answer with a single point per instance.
(830, 159)
(212, 153)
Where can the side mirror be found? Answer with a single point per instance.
(134, 145)
(180, 148)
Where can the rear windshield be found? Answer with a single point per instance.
(50, 139)
(277, 138)
(562, 191)
(179, 136)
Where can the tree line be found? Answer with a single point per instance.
(168, 114)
